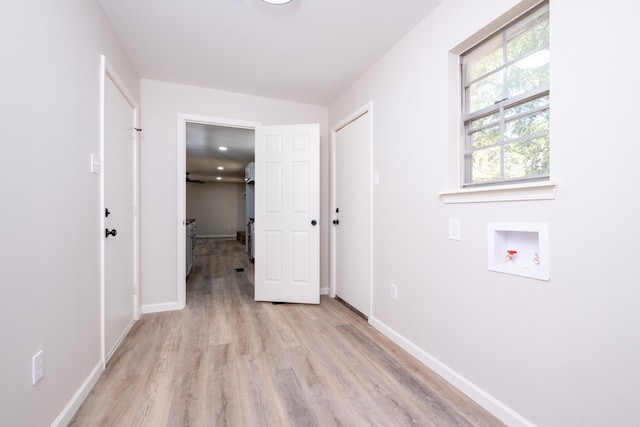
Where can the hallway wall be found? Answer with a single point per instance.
(558, 353)
(218, 208)
(49, 201)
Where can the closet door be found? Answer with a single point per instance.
(351, 255)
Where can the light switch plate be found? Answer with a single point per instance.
(454, 229)
(37, 367)
(95, 164)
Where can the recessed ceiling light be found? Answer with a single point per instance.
(220, 168)
(222, 148)
(219, 178)
(277, 1)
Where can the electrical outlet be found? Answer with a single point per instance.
(37, 367)
(394, 291)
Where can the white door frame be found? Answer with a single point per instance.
(107, 71)
(367, 108)
(181, 168)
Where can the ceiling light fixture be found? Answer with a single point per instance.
(220, 168)
(277, 1)
(222, 148)
(219, 178)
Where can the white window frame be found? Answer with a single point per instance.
(499, 108)
(514, 190)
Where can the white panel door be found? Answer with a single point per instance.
(287, 210)
(351, 213)
(119, 202)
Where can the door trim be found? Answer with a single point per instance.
(107, 71)
(359, 112)
(181, 168)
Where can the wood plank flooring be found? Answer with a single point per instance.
(227, 360)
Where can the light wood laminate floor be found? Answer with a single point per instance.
(227, 360)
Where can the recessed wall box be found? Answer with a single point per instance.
(521, 249)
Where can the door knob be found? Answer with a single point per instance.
(314, 222)
(107, 233)
(336, 221)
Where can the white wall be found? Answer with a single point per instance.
(218, 208)
(49, 204)
(558, 353)
(161, 103)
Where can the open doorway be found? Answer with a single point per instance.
(213, 199)
(287, 232)
(219, 185)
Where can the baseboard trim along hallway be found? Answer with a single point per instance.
(65, 417)
(487, 401)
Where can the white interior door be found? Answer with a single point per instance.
(118, 161)
(352, 213)
(287, 209)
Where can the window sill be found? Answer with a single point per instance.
(504, 193)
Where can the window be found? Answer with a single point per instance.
(505, 82)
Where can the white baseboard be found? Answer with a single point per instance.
(484, 399)
(215, 236)
(324, 291)
(158, 308)
(64, 418)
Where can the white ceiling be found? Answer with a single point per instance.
(308, 51)
(204, 156)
